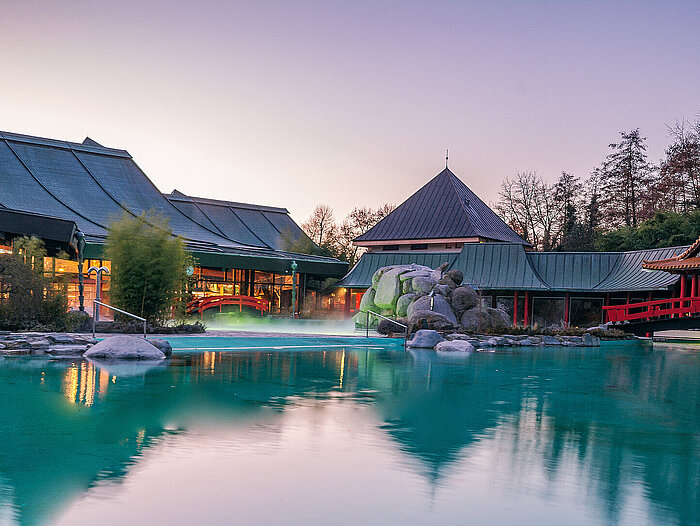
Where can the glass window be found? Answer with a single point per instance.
(547, 312)
(586, 312)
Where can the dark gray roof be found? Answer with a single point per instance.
(360, 276)
(444, 208)
(507, 266)
(92, 185)
(247, 223)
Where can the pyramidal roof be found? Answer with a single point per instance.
(444, 208)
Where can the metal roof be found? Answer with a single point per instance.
(444, 208)
(91, 185)
(360, 276)
(508, 266)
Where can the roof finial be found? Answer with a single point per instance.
(447, 156)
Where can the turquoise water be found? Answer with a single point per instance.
(353, 435)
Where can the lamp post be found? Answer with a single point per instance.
(98, 279)
(81, 280)
(294, 288)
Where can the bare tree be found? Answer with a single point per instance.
(679, 173)
(320, 225)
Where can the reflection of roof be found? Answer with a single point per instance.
(508, 266)
(91, 185)
(444, 208)
(687, 260)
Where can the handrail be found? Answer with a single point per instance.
(94, 310)
(388, 319)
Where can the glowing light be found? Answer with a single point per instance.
(342, 368)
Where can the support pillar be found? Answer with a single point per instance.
(694, 286)
(567, 312)
(347, 301)
(515, 309)
(526, 315)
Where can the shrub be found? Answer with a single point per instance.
(148, 266)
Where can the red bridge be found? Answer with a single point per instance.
(649, 310)
(210, 302)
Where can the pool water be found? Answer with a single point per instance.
(348, 434)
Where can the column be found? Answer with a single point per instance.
(567, 313)
(526, 315)
(347, 301)
(515, 309)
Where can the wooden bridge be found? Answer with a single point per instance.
(212, 302)
(644, 318)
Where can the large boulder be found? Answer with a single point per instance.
(499, 318)
(464, 298)
(163, 345)
(367, 301)
(403, 302)
(447, 281)
(455, 275)
(427, 319)
(360, 320)
(438, 272)
(389, 327)
(415, 274)
(440, 305)
(425, 339)
(389, 288)
(454, 346)
(406, 286)
(476, 319)
(124, 347)
(423, 284)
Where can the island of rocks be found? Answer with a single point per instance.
(443, 313)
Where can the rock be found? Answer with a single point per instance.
(367, 302)
(360, 320)
(425, 338)
(438, 272)
(86, 339)
(454, 346)
(464, 298)
(476, 319)
(415, 274)
(1, 346)
(37, 345)
(425, 319)
(389, 327)
(591, 341)
(163, 345)
(446, 280)
(456, 276)
(550, 340)
(406, 286)
(60, 338)
(125, 348)
(403, 303)
(499, 317)
(439, 305)
(423, 284)
(527, 342)
(389, 289)
(442, 290)
(67, 350)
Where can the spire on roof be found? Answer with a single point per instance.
(89, 142)
(447, 156)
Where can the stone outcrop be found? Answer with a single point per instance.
(454, 346)
(56, 345)
(425, 339)
(125, 348)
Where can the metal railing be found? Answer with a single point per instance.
(405, 327)
(95, 304)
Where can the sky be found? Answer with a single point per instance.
(350, 103)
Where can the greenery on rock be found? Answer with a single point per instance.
(148, 266)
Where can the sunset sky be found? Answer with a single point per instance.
(348, 103)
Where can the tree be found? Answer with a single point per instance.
(531, 208)
(679, 173)
(321, 225)
(628, 182)
(148, 266)
(663, 230)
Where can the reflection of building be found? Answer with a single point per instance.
(444, 222)
(52, 189)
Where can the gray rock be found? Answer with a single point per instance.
(457, 336)
(1, 346)
(367, 302)
(360, 320)
(415, 274)
(389, 289)
(60, 338)
(389, 327)
(423, 284)
(438, 272)
(67, 350)
(447, 281)
(440, 306)
(591, 341)
(476, 319)
(406, 286)
(550, 340)
(527, 342)
(455, 275)
(464, 298)
(403, 303)
(124, 347)
(454, 346)
(426, 319)
(499, 317)
(163, 345)
(443, 290)
(425, 338)
(39, 344)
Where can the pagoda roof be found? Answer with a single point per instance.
(444, 208)
(687, 260)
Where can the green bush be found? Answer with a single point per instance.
(148, 266)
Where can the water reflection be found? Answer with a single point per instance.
(617, 432)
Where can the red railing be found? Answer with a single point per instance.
(648, 310)
(209, 302)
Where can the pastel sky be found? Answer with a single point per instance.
(348, 103)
